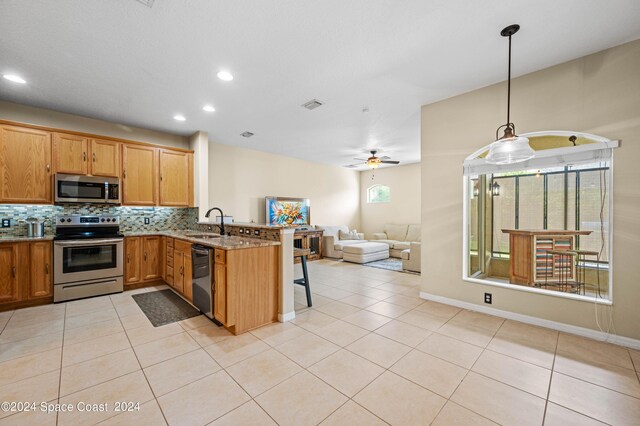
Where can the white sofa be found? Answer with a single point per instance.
(411, 258)
(332, 245)
(399, 237)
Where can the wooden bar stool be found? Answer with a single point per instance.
(304, 281)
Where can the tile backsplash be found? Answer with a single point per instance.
(131, 218)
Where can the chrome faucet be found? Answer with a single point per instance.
(208, 213)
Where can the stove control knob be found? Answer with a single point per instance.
(102, 220)
(61, 220)
(69, 220)
(108, 219)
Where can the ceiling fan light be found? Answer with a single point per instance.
(373, 163)
(514, 149)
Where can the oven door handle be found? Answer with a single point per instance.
(76, 243)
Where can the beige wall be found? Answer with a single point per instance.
(598, 94)
(239, 179)
(49, 118)
(404, 207)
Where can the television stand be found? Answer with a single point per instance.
(309, 239)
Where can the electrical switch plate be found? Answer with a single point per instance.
(487, 298)
(6, 223)
(147, 220)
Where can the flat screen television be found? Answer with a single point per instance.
(288, 211)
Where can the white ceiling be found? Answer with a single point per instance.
(121, 61)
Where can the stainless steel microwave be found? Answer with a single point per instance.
(86, 189)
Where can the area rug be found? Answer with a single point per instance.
(164, 307)
(390, 264)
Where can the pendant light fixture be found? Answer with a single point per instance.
(510, 148)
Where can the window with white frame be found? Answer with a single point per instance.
(378, 194)
(544, 224)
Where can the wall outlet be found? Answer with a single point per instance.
(147, 221)
(6, 223)
(487, 298)
(256, 232)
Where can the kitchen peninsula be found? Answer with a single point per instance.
(245, 272)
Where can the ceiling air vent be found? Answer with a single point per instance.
(246, 134)
(148, 3)
(312, 104)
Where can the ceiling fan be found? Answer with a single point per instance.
(373, 162)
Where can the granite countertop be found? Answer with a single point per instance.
(245, 224)
(221, 242)
(22, 238)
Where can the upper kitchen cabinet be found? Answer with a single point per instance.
(71, 154)
(176, 178)
(78, 155)
(105, 158)
(25, 165)
(139, 174)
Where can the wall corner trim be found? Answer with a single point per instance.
(554, 325)
(287, 317)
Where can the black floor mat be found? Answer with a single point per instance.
(164, 307)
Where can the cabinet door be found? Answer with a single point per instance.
(9, 291)
(25, 165)
(71, 154)
(139, 175)
(174, 178)
(150, 258)
(178, 270)
(187, 283)
(220, 292)
(132, 260)
(40, 284)
(105, 158)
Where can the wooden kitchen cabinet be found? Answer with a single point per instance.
(246, 287)
(139, 174)
(105, 158)
(132, 260)
(176, 178)
(142, 259)
(220, 286)
(169, 266)
(71, 154)
(25, 271)
(25, 165)
(150, 258)
(182, 279)
(41, 271)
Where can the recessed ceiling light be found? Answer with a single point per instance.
(208, 108)
(225, 76)
(179, 117)
(15, 78)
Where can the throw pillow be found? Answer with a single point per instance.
(351, 235)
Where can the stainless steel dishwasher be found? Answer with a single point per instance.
(202, 258)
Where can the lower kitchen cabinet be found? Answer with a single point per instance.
(41, 271)
(25, 272)
(142, 259)
(182, 276)
(246, 287)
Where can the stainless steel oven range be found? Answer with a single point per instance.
(87, 257)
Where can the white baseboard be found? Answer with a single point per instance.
(287, 317)
(554, 325)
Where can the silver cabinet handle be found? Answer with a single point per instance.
(48, 168)
(46, 268)
(84, 156)
(13, 271)
(94, 157)
(145, 255)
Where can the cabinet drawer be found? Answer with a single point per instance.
(170, 274)
(170, 242)
(220, 256)
(183, 246)
(170, 262)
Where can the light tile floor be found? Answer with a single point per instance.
(370, 351)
